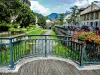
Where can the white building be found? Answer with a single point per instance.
(66, 18)
(91, 15)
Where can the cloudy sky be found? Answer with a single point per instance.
(46, 7)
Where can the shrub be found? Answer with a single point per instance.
(16, 25)
(88, 36)
(4, 26)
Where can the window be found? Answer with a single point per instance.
(84, 17)
(96, 23)
(87, 23)
(97, 15)
(91, 23)
(87, 16)
(92, 16)
(84, 23)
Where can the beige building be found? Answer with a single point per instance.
(91, 15)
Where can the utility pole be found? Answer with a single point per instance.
(36, 22)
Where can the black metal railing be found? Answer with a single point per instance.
(92, 53)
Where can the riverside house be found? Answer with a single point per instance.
(91, 15)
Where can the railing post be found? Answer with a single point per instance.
(45, 46)
(11, 56)
(82, 55)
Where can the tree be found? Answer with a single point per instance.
(9, 9)
(74, 14)
(25, 17)
(42, 22)
(18, 11)
(61, 18)
(3, 12)
(27, 2)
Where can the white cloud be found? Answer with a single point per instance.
(81, 3)
(37, 7)
(90, 1)
(84, 3)
(62, 8)
(66, 7)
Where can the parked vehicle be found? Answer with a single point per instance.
(77, 27)
(88, 28)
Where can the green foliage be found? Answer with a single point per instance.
(74, 14)
(42, 22)
(15, 25)
(32, 26)
(38, 15)
(61, 18)
(8, 9)
(15, 11)
(59, 21)
(4, 26)
(12, 29)
(26, 17)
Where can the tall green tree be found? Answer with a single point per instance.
(12, 10)
(61, 18)
(18, 11)
(25, 17)
(42, 22)
(9, 9)
(74, 14)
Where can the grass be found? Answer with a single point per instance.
(62, 50)
(18, 31)
(20, 48)
(54, 37)
(35, 31)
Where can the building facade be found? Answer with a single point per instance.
(66, 18)
(91, 15)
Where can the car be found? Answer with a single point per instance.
(88, 28)
(77, 27)
(91, 28)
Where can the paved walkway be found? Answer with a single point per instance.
(48, 32)
(51, 67)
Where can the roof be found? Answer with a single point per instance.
(98, 4)
(89, 10)
(67, 16)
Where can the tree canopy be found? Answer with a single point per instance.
(17, 11)
(74, 14)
